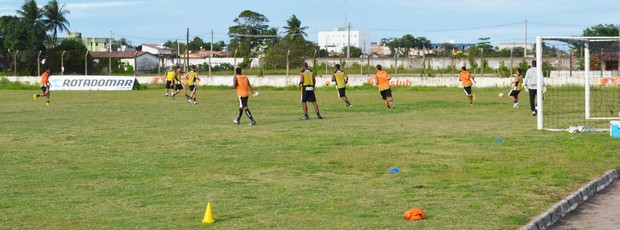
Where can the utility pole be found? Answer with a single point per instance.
(511, 60)
(618, 50)
(85, 63)
(110, 56)
(525, 47)
(211, 53)
(349, 42)
(482, 62)
(187, 52)
(39, 62)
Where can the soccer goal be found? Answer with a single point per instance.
(582, 91)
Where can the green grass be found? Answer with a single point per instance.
(136, 159)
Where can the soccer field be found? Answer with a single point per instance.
(137, 159)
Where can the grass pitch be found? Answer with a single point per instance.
(138, 159)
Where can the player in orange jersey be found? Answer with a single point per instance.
(383, 83)
(466, 79)
(45, 86)
(243, 86)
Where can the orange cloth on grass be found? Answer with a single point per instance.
(414, 214)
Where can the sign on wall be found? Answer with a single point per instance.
(91, 83)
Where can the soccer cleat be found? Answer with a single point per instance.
(166, 94)
(533, 113)
(35, 97)
(236, 121)
(189, 100)
(392, 104)
(348, 104)
(253, 122)
(195, 103)
(305, 117)
(48, 104)
(318, 116)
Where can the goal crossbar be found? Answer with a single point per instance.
(539, 81)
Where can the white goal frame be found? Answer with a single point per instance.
(539, 73)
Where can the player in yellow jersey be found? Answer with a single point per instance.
(518, 85)
(170, 74)
(243, 86)
(466, 79)
(307, 80)
(192, 77)
(178, 84)
(341, 78)
(45, 86)
(383, 83)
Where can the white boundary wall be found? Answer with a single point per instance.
(354, 80)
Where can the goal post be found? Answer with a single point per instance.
(575, 97)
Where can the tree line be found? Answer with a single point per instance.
(31, 36)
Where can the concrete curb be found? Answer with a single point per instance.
(560, 209)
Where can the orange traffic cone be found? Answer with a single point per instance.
(208, 218)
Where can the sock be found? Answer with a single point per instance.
(249, 114)
(240, 113)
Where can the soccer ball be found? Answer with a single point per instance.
(501, 94)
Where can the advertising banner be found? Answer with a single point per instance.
(91, 83)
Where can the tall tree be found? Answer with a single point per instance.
(294, 29)
(197, 43)
(31, 13)
(403, 45)
(247, 36)
(55, 19)
(26, 37)
(601, 30)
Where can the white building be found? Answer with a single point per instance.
(511, 45)
(338, 38)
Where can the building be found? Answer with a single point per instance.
(338, 38)
(155, 49)
(92, 44)
(380, 50)
(512, 45)
(143, 62)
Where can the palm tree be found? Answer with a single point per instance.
(30, 12)
(293, 28)
(55, 19)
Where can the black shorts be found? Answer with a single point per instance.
(192, 88)
(307, 94)
(341, 92)
(385, 94)
(168, 84)
(467, 90)
(243, 102)
(44, 89)
(178, 87)
(514, 93)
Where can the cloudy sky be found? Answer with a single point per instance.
(157, 21)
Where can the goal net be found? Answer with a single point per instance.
(582, 91)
